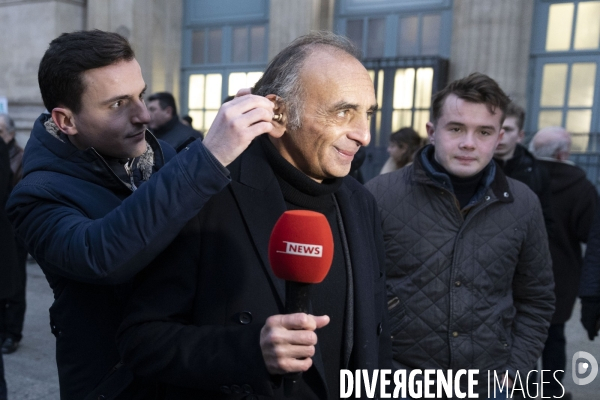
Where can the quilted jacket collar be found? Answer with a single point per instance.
(494, 179)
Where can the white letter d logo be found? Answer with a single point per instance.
(582, 367)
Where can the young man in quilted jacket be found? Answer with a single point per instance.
(469, 271)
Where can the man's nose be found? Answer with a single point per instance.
(361, 131)
(141, 115)
(468, 141)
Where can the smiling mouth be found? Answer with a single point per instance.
(345, 153)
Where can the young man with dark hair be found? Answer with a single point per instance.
(469, 272)
(518, 163)
(165, 123)
(217, 329)
(100, 198)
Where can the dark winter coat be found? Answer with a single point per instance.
(176, 133)
(8, 250)
(524, 167)
(574, 201)
(91, 235)
(590, 274)
(198, 329)
(467, 288)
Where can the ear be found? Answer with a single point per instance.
(430, 132)
(279, 108)
(521, 136)
(64, 120)
(169, 109)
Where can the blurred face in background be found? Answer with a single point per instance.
(158, 116)
(397, 151)
(512, 136)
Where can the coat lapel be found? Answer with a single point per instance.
(261, 203)
(358, 233)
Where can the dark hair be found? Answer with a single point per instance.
(282, 76)
(410, 138)
(165, 99)
(514, 110)
(69, 56)
(475, 88)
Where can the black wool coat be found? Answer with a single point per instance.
(194, 321)
(574, 200)
(177, 134)
(8, 250)
(524, 167)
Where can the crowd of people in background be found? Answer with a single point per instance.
(464, 253)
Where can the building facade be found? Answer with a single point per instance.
(544, 53)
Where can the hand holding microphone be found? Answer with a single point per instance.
(300, 252)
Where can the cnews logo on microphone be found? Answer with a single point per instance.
(302, 249)
(579, 368)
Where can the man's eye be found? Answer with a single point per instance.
(342, 113)
(486, 133)
(117, 104)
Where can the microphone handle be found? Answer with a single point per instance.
(297, 300)
(296, 297)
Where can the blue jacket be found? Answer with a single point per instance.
(91, 233)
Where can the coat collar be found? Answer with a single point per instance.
(496, 180)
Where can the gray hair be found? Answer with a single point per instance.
(550, 141)
(282, 76)
(10, 124)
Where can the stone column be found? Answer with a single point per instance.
(153, 27)
(493, 37)
(290, 19)
(26, 29)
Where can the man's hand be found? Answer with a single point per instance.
(288, 342)
(237, 123)
(590, 315)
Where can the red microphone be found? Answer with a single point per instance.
(300, 252)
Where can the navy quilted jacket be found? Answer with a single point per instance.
(470, 288)
(91, 234)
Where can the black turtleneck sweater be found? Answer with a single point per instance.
(329, 297)
(464, 188)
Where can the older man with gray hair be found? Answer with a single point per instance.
(573, 203)
(12, 309)
(217, 326)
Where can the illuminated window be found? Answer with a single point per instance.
(241, 80)
(565, 59)
(567, 98)
(204, 99)
(584, 16)
(376, 121)
(412, 99)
